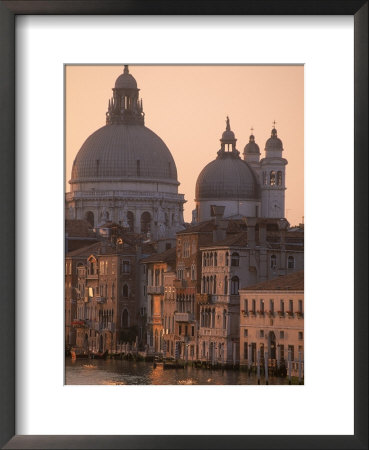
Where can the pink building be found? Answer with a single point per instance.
(272, 323)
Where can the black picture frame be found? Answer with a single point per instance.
(8, 11)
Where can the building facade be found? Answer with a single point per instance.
(102, 310)
(272, 324)
(262, 252)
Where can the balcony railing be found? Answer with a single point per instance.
(183, 317)
(158, 290)
(92, 276)
(203, 298)
(100, 299)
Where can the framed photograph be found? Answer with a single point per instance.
(216, 338)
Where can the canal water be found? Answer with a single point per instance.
(115, 372)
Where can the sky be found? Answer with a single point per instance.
(187, 107)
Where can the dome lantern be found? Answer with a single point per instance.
(228, 142)
(125, 107)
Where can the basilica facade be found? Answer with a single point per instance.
(124, 173)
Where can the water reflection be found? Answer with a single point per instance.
(117, 372)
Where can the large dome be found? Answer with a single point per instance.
(122, 152)
(227, 178)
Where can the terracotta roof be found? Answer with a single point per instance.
(78, 228)
(234, 240)
(103, 248)
(169, 256)
(207, 226)
(85, 251)
(291, 282)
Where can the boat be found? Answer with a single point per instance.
(99, 355)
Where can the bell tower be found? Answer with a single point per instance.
(273, 178)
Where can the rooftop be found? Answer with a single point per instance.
(291, 282)
(169, 256)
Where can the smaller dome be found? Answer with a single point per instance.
(126, 80)
(252, 147)
(274, 143)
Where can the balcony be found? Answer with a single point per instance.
(203, 298)
(183, 317)
(78, 323)
(158, 290)
(215, 332)
(92, 276)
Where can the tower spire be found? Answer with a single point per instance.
(126, 70)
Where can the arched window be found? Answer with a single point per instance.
(224, 319)
(291, 262)
(203, 285)
(125, 319)
(226, 285)
(89, 216)
(234, 285)
(227, 259)
(130, 220)
(215, 259)
(125, 290)
(279, 178)
(207, 285)
(215, 285)
(272, 178)
(235, 261)
(273, 262)
(211, 258)
(145, 222)
(213, 318)
(211, 285)
(193, 272)
(204, 260)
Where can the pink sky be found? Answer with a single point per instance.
(187, 107)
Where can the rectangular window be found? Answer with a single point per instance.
(282, 351)
(300, 335)
(281, 306)
(186, 330)
(253, 305)
(291, 351)
(281, 335)
(245, 350)
(290, 306)
(271, 306)
(192, 350)
(261, 305)
(261, 333)
(246, 305)
(193, 331)
(300, 306)
(180, 329)
(245, 332)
